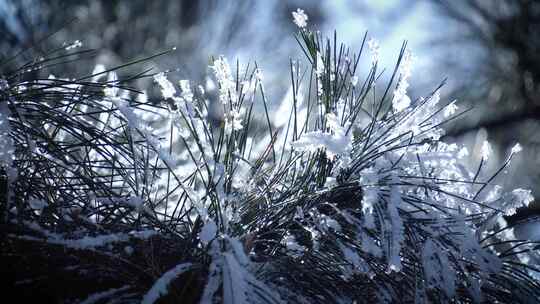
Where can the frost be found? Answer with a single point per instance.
(234, 284)
(74, 45)
(293, 248)
(208, 232)
(160, 286)
(463, 152)
(494, 194)
(370, 246)
(142, 97)
(229, 271)
(450, 109)
(89, 242)
(486, 150)
(474, 290)
(325, 223)
(330, 182)
(357, 263)
(516, 149)
(336, 142)
(185, 87)
(319, 66)
(333, 188)
(300, 18)
(401, 101)
(374, 48)
(167, 88)
(241, 175)
(397, 228)
(370, 199)
(227, 86)
(437, 270)
(6, 142)
(259, 76)
(518, 198)
(354, 80)
(233, 121)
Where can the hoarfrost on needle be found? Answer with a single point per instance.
(300, 18)
(486, 150)
(374, 49)
(401, 101)
(167, 88)
(516, 149)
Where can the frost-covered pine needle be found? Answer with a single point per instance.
(348, 196)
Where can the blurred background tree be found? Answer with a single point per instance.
(123, 30)
(491, 52)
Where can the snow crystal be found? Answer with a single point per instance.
(518, 198)
(374, 49)
(240, 178)
(337, 142)
(516, 149)
(185, 87)
(227, 86)
(300, 18)
(330, 182)
(401, 101)
(450, 109)
(167, 88)
(494, 194)
(233, 122)
(75, 44)
(463, 152)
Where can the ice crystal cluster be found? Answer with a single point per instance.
(346, 195)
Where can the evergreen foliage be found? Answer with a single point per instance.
(346, 195)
